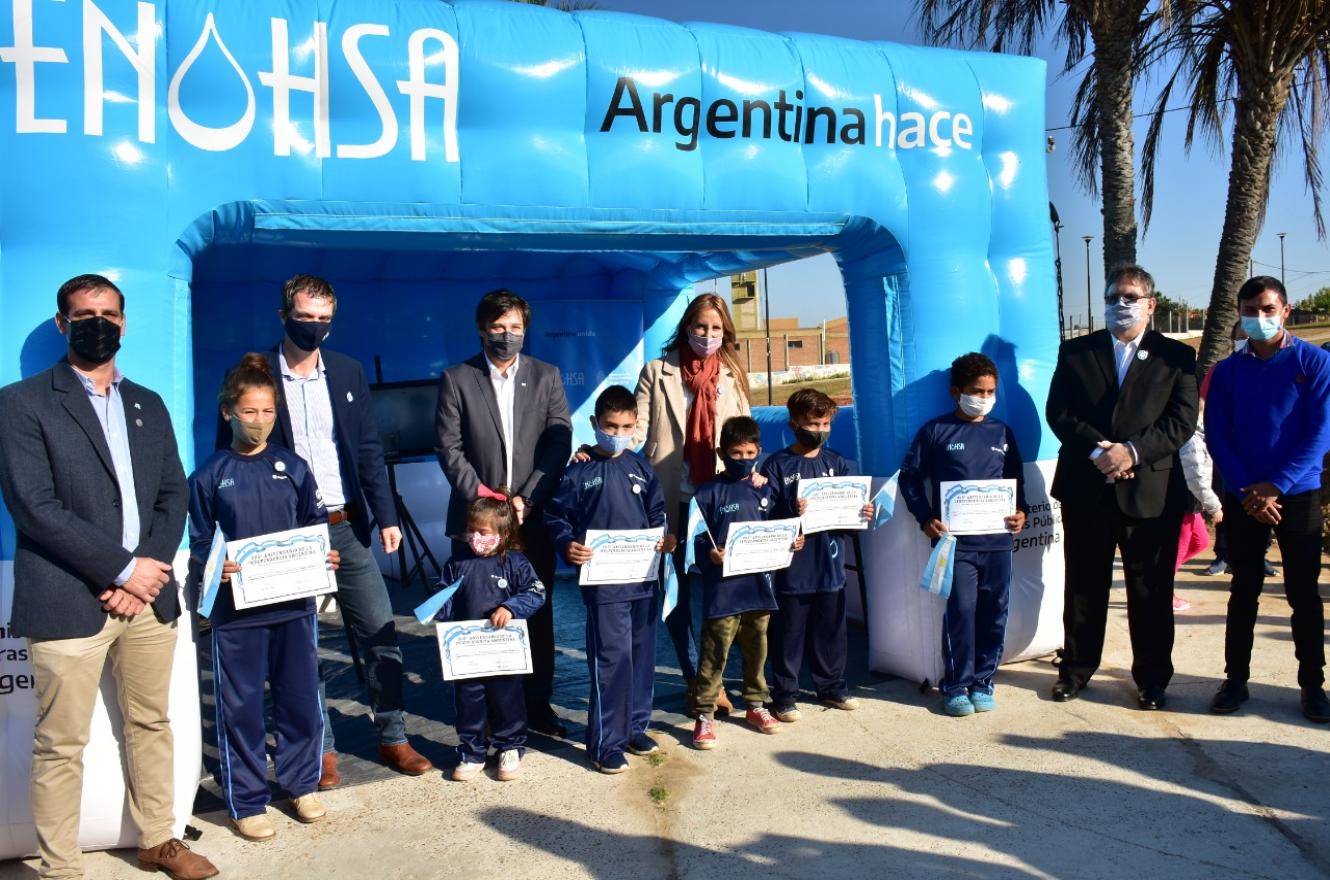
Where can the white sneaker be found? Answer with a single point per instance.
(309, 808)
(846, 704)
(510, 765)
(467, 770)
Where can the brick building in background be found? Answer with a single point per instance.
(791, 345)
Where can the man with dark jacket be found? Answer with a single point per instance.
(1122, 401)
(90, 473)
(503, 422)
(327, 417)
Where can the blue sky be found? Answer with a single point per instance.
(1183, 239)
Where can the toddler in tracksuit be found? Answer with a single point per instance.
(613, 489)
(968, 445)
(739, 606)
(250, 489)
(496, 583)
(810, 594)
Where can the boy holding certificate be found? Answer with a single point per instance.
(493, 581)
(811, 592)
(738, 606)
(614, 490)
(247, 490)
(963, 447)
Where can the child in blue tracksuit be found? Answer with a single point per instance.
(968, 445)
(252, 489)
(811, 592)
(739, 606)
(496, 583)
(613, 489)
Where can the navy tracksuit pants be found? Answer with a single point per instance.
(974, 626)
(621, 657)
(497, 702)
(812, 623)
(285, 656)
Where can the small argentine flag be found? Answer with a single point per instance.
(426, 610)
(884, 502)
(941, 563)
(670, 599)
(696, 526)
(211, 582)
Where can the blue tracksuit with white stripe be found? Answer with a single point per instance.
(497, 702)
(975, 623)
(613, 493)
(811, 592)
(249, 495)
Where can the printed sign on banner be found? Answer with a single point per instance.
(596, 343)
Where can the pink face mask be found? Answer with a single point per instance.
(705, 346)
(482, 545)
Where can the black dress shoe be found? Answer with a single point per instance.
(1315, 706)
(543, 721)
(1151, 698)
(1229, 697)
(1065, 690)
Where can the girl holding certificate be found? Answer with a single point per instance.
(497, 583)
(247, 490)
(966, 445)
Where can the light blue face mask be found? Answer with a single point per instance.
(1261, 328)
(1121, 316)
(611, 444)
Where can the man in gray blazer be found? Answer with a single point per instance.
(90, 473)
(503, 421)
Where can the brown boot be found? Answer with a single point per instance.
(329, 778)
(723, 704)
(405, 759)
(175, 858)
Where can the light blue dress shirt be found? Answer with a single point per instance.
(110, 410)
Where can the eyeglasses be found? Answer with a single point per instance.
(1130, 299)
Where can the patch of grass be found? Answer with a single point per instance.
(659, 794)
(837, 388)
(655, 759)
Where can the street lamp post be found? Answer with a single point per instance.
(1281, 258)
(1089, 304)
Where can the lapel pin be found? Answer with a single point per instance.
(138, 406)
(349, 398)
(1142, 355)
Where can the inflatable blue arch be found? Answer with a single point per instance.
(418, 153)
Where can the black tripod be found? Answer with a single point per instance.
(413, 541)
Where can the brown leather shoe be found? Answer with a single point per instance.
(329, 778)
(405, 759)
(175, 858)
(723, 704)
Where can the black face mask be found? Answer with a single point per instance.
(307, 335)
(502, 346)
(810, 439)
(95, 340)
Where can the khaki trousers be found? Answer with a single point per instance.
(68, 672)
(718, 634)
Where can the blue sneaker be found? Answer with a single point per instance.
(642, 745)
(957, 706)
(982, 700)
(612, 763)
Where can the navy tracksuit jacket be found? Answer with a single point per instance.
(811, 592)
(498, 701)
(613, 493)
(723, 501)
(248, 496)
(974, 626)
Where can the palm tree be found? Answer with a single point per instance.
(1270, 59)
(1123, 36)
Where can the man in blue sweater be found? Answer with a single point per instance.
(1267, 426)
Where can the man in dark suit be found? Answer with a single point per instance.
(1122, 401)
(90, 472)
(503, 421)
(327, 417)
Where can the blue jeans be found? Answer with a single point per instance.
(362, 597)
(679, 624)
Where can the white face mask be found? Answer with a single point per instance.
(974, 406)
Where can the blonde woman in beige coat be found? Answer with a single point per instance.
(684, 398)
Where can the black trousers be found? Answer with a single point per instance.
(539, 549)
(1299, 536)
(1149, 547)
(811, 624)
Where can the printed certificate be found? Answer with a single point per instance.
(621, 556)
(760, 545)
(281, 566)
(474, 649)
(834, 503)
(977, 507)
